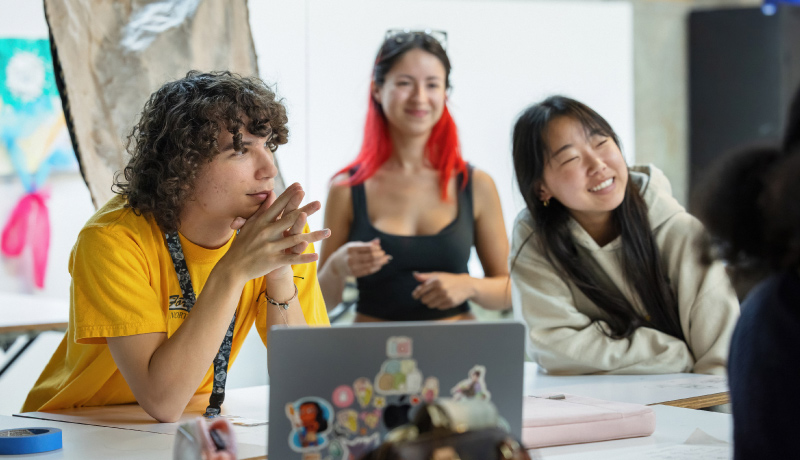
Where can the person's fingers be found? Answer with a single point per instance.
(283, 259)
(288, 221)
(376, 252)
(424, 288)
(359, 252)
(422, 277)
(283, 243)
(294, 201)
(373, 256)
(311, 208)
(377, 264)
(441, 304)
(297, 259)
(368, 260)
(299, 248)
(381, 261)
(359, 269)
(311, 237)
(433, 298)
(276, 209)
(292, 204)
(238, 223)
(298, 225)
(367, 266)
(270, 199)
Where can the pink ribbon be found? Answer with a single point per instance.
(29, 224)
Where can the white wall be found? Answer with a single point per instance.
(505, 55)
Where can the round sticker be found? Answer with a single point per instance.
(343, 396)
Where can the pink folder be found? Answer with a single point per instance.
(577, 419)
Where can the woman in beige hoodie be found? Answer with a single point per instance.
(604, 261)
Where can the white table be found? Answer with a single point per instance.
(89, 442)
(95, 442)
(28, 316)
(251, 403)
(673, 427)
(693, 391)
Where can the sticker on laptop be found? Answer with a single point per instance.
(363, 388)
(355, 447)
(399, 347)
(342, 396)
(473, 387)
(430, 389)
(370, 418)
(399, 374)
(337, 450)
(312, 420)
(347, 421)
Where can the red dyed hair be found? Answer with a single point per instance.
(442, 149)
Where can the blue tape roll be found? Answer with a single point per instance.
(29, 440)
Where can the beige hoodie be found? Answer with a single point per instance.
(564, 334)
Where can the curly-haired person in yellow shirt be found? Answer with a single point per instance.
(170, 275)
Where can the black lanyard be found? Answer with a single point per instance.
(224, 353)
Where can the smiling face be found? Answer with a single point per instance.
(413, 94)
(584, 171)
(234, 183)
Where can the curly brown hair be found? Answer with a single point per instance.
(177, 134)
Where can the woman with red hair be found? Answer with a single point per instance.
(406, 212)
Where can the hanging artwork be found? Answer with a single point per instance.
(33, 142)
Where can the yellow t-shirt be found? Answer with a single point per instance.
(124, 283)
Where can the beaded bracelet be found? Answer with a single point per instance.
(284, 305)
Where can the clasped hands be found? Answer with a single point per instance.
(272, 239)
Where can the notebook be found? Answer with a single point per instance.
(335, 392)
(557, 419)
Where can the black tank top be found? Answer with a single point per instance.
(386, 294)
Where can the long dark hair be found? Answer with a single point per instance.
(641, 261)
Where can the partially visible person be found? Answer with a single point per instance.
(169, 276)
(452, 430)
(605, 265)
(750, 203)
(406, 212)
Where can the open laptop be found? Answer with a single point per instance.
(335, 392)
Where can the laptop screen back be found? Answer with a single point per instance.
(335, 392)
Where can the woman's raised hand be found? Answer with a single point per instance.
(360, 258)
(271, 240)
